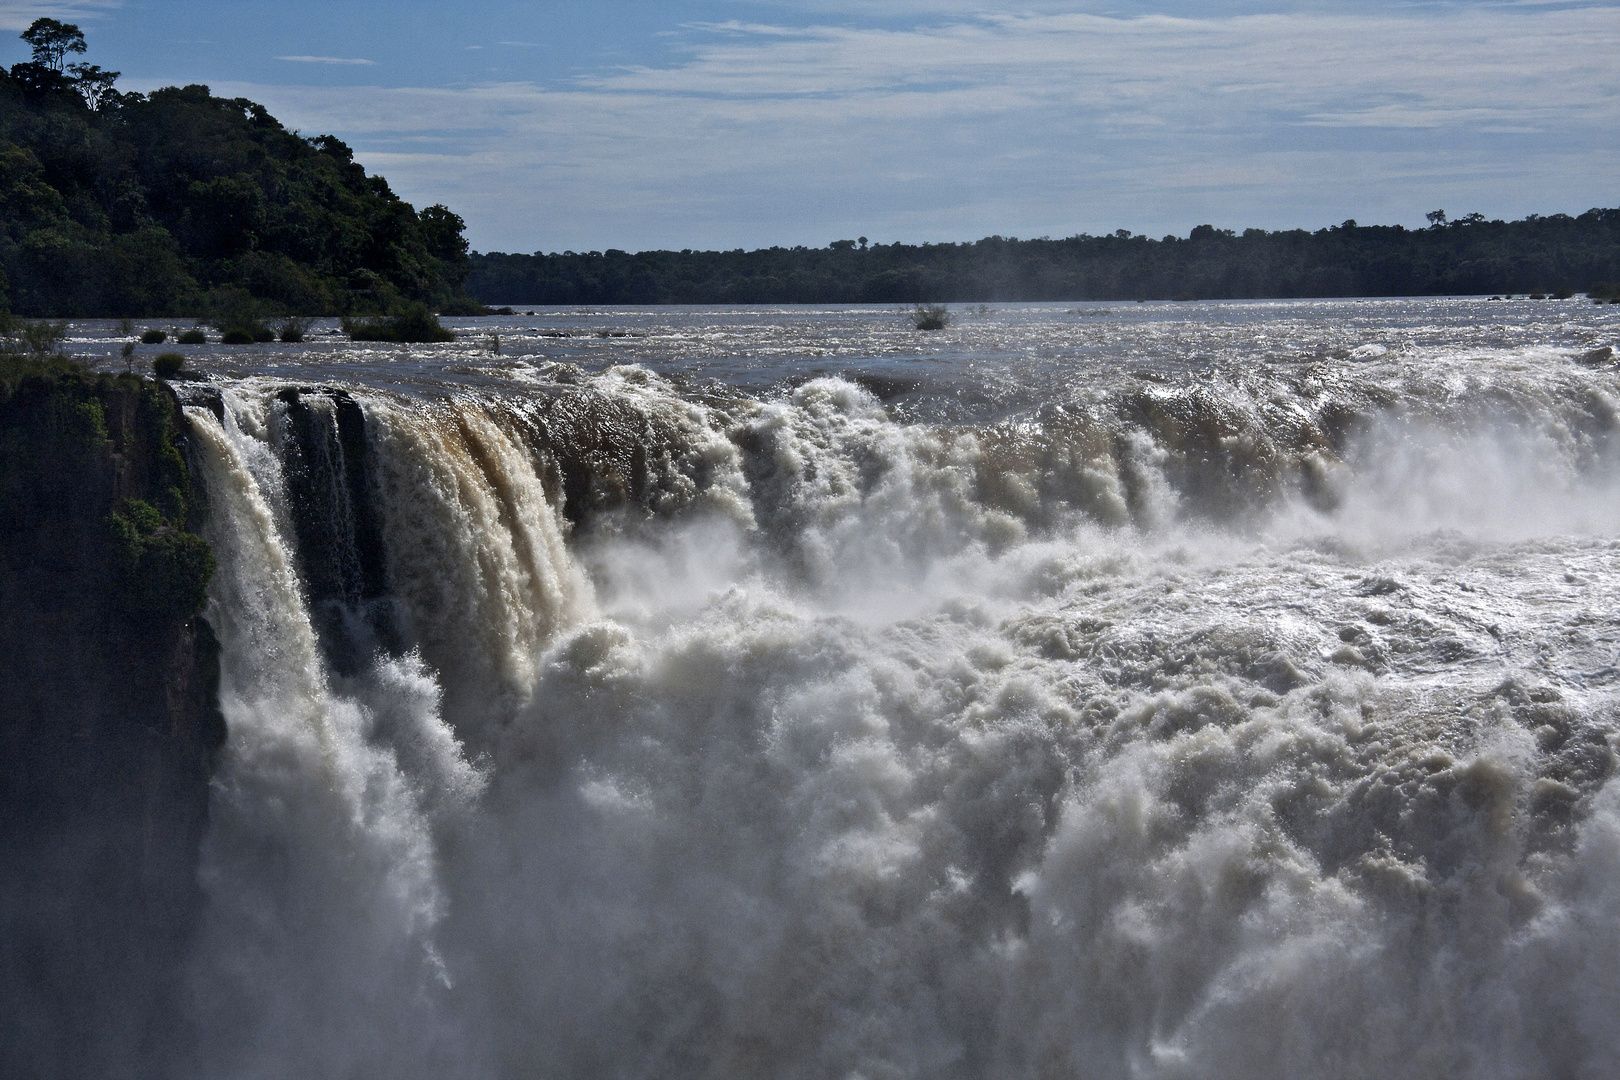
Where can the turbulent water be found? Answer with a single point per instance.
(1155, 691)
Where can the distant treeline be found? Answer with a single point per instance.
(1469, 255)
(178, 202)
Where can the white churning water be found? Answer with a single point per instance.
(1228, 695)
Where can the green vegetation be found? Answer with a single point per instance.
(240, 317)
(33, 338)
(77, 446)
(931, 317)
(1467, 256)
(154, 337)
(194, 336)
(163, 571)
(167, 365)
(411, 322)
(115, 204)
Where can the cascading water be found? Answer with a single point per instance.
(1175, 725)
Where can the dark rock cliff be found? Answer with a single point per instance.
(109, 718)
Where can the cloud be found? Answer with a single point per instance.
(16, 15)
(327, 60)
(520, 44)
(1025, 124)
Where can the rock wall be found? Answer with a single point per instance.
(109, 719)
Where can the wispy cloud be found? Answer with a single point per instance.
(1016, 123)
(328, 60)
(20, 14)
(520, 44)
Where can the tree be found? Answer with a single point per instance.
(52, 41)
(93, 84)
(1436, 218)
(441, 233)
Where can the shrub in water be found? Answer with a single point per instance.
(466, 305)
(193, 337)
(930, 317)
(154, 337)
(293, 329)
(408, 323)
(239, 316)
(167, 365)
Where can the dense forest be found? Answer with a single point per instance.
(1469, 255)
(180, 202)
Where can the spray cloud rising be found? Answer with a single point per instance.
(1187, 725)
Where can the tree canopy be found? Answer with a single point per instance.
(1467, 255)
(52, 41)
(179, 201)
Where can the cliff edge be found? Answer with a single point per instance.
(109, 720)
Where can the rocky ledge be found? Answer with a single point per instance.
(109, 717)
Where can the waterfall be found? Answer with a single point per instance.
(1202, 730)
(320, 867)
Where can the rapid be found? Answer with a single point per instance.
(1215, 690)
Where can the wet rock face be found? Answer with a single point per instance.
(109, 721)
(326, 463)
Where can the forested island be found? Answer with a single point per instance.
(1553, 255)
(178, 202)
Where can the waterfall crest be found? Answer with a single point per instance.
(1217, 727)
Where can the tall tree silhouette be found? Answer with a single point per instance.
(52, 41)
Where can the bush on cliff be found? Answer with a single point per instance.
(36, 338)
(162, 570)
(60, 429)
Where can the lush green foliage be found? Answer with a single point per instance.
(60, 427)
(154, 337)
(15, 367)
(163, 571)
(167, 365)
(193, 336)
(129, 204)
(409, 323)
(1470, 255)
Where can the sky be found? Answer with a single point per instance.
(554, 125)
